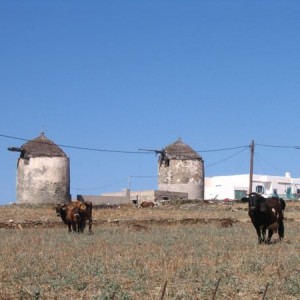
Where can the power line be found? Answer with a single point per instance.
(223, 149)
(75, 147)
(226, 158)
(142, 151)
(277, 146)
(260, 159)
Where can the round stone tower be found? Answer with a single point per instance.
(43, 173)
(181, 169)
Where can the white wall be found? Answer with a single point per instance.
(43, 180)
(222, 187)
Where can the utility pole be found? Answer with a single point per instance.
(251, 166)
(129, 183)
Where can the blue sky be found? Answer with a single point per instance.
(125, 75)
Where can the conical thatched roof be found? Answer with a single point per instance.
(41, 147)
(180, 150)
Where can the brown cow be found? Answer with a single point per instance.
(75, 214)
(85, 213)
(145, 204)
(69, 214)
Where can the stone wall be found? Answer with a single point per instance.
(183, 176)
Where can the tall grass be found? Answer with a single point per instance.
(135, 262)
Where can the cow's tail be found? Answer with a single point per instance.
(281, 230)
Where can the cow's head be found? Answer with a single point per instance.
(82, 208)
(253, 202)
(60, 209)
(256, 203)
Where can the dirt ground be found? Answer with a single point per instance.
(182, 212)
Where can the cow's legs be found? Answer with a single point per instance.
(264, 234)
(270, 233)
(260, 237)
(82, 224)
(74, 226)
(90, 225)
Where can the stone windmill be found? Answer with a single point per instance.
(181, 169)
(43, 172)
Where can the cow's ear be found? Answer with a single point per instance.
(82, 206)
(245, 199)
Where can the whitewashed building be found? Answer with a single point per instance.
(237, 186)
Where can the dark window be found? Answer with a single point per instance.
(260, 189)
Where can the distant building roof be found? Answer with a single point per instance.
(179, 150)
(41, 147)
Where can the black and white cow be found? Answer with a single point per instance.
(266, 214)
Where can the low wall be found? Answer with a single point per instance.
(133, 197)
(104, 200)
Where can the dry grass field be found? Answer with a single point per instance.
(185, 250)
